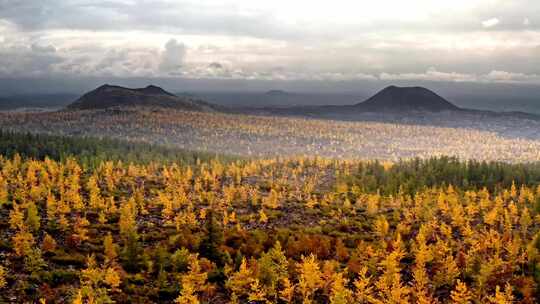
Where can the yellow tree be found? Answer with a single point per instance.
(461, 294)
(94, 193)
(109, 249)
(421, 278)
(263, 218)
(389, 284)
(381, 227)
(257, 293)
(112, 278)
(272, 200)
(340, 294)
(32, 217)
(81, 228)
(3, 275)
(192, 282)
(240, 282)
(4, 194)
(92, 288)
(310, 277)
(22, 242)
(127, 222)
(363, 287)
(48, 244)
(51, 207)
(286, 293)
(502, 297)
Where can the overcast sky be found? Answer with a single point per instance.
(486, 41)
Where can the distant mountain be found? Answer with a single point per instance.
(392, 99)
(392, 103)
(107, 96)
(276, 93)
(400, 99)
(35, 101)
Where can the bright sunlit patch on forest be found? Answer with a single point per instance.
(264, 136)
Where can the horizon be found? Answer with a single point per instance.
(54, 93)
(474, 52)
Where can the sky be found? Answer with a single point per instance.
(472, 41)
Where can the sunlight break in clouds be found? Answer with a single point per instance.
(490, 22)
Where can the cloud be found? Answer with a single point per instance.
(495, 76)
(509, 77)
(215, 65)
(490, 22)
(243, 39)
(172, 57)
(43, 48)
(430, 75)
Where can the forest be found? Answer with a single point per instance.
(130, 223)
(390, 139)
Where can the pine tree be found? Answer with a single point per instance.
(213, 240)
(33, 261)
(273, 268)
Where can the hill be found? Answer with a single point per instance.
(107, 96)
(276, 93)
(395, 98)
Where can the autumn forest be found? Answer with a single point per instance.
(216, 229)
(269, 152)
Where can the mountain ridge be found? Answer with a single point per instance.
(108, 96)
(392, 101)
(394, 98)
